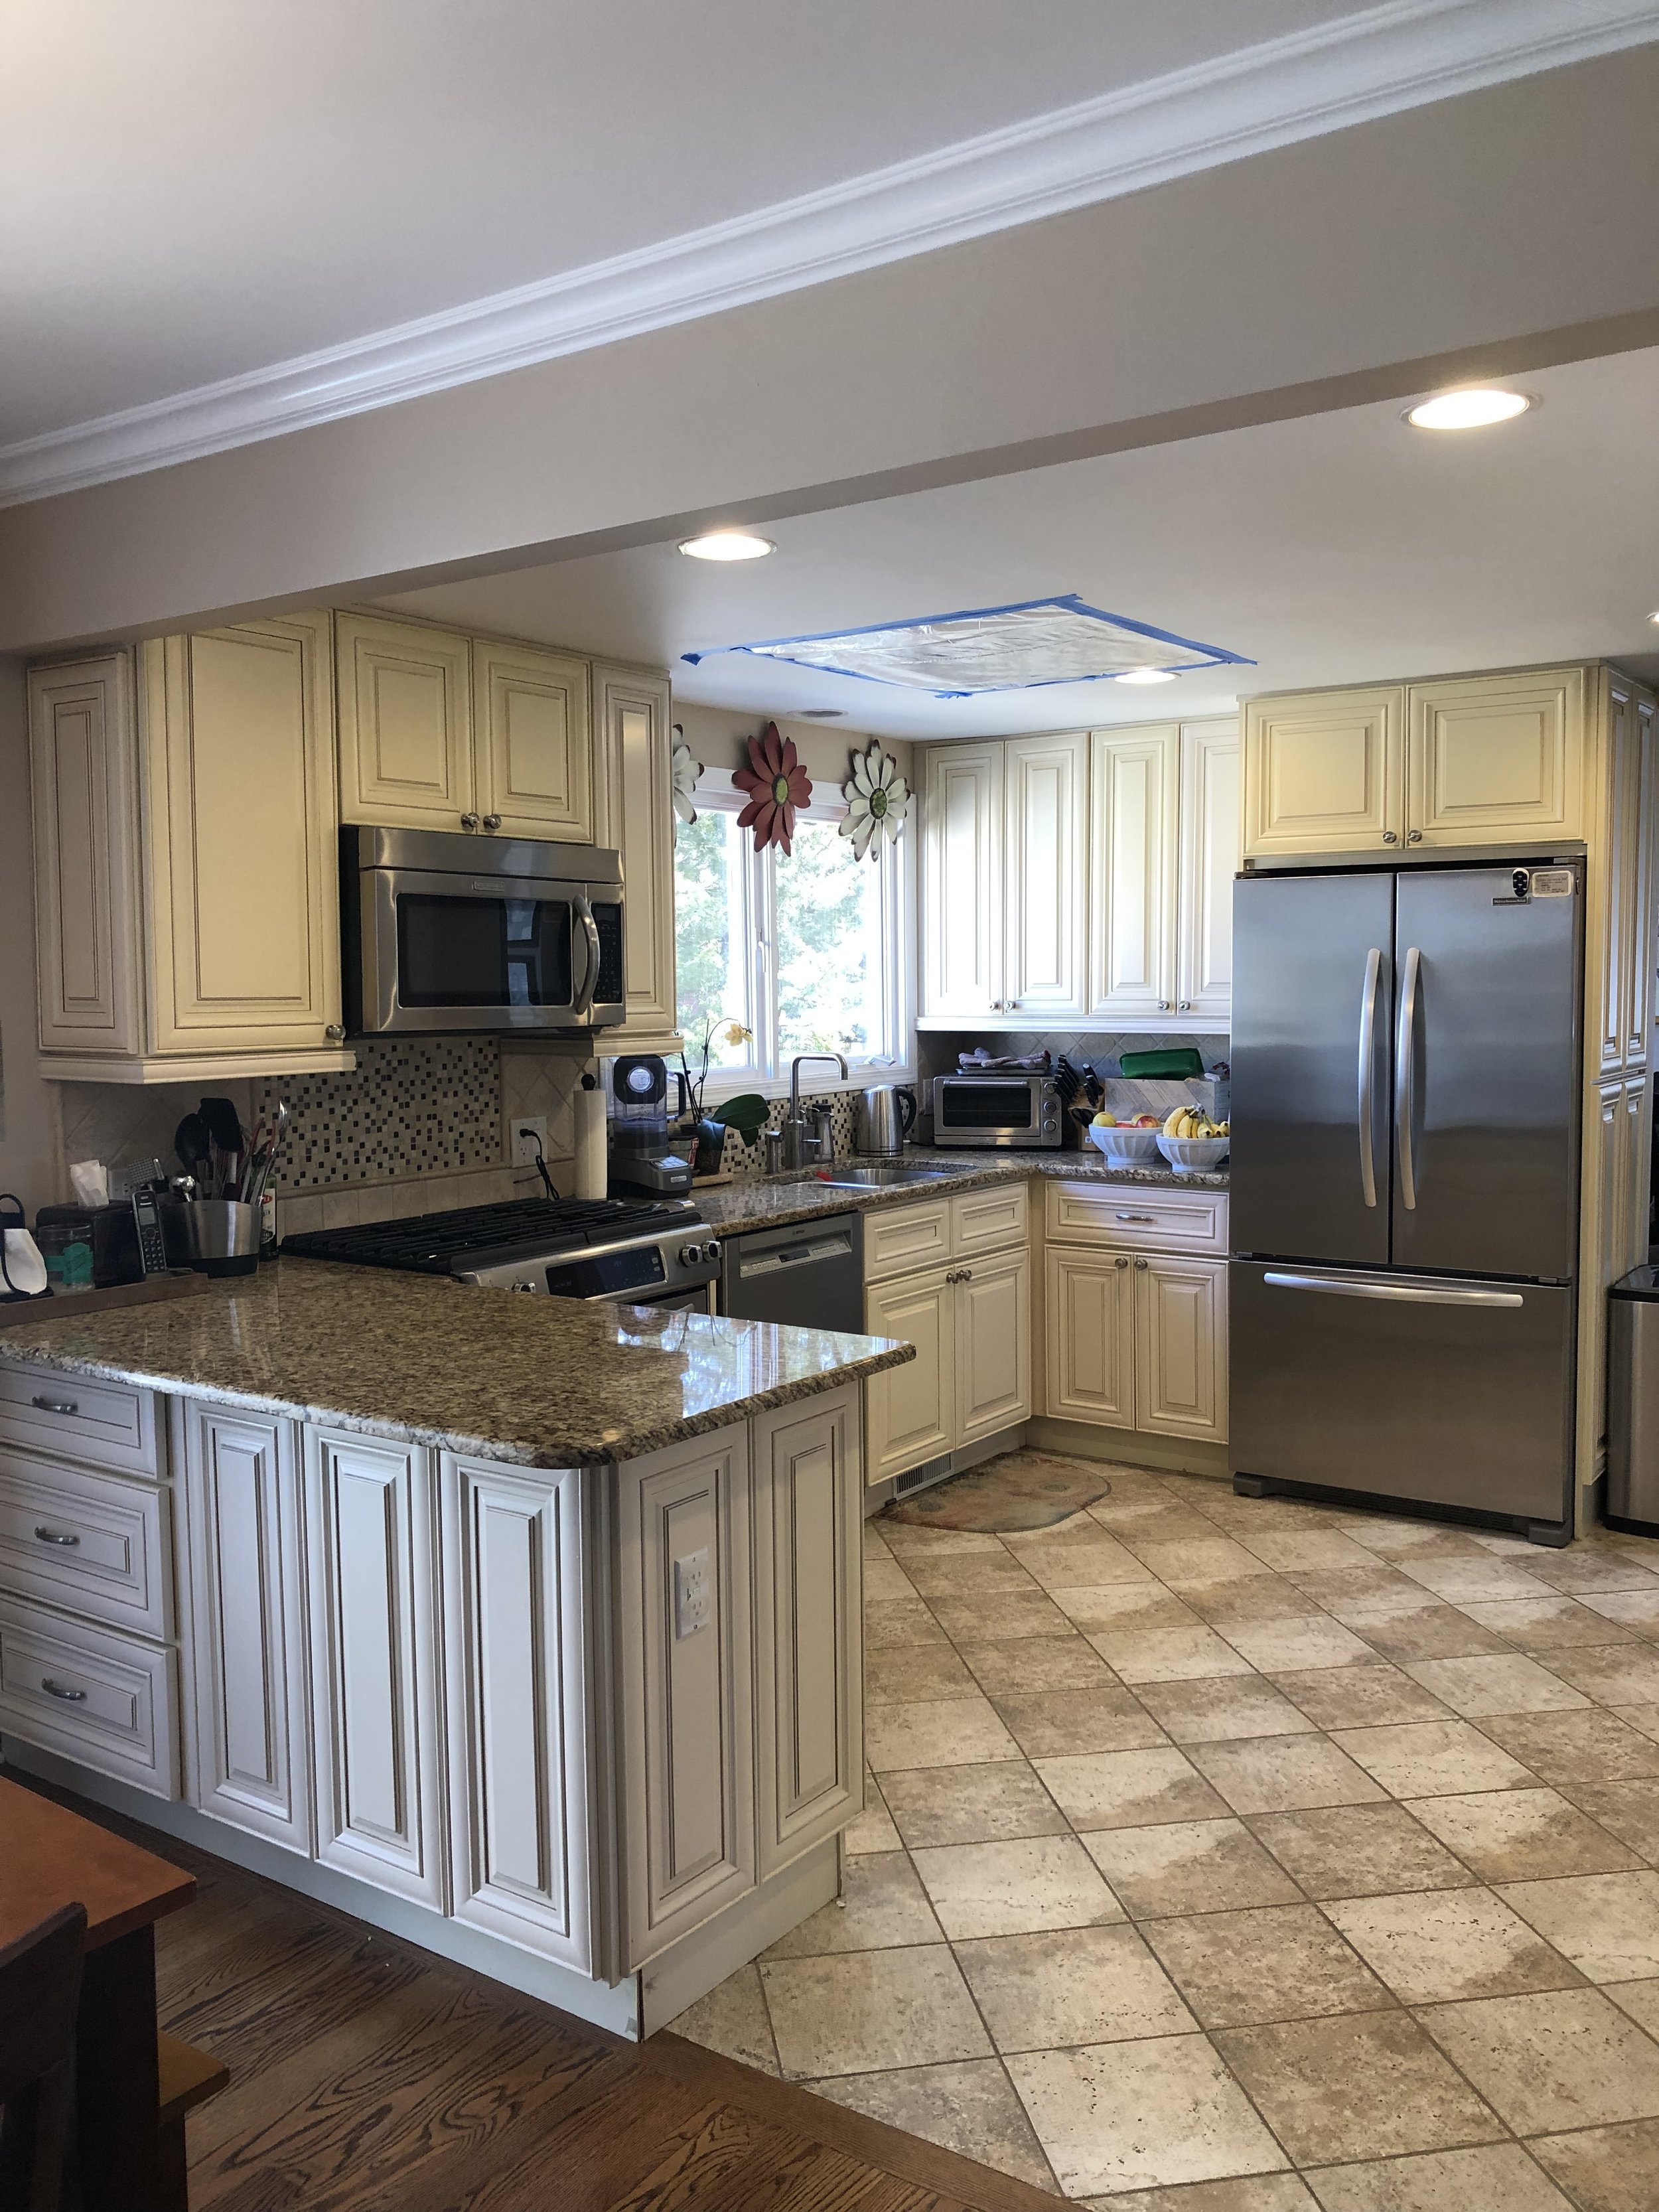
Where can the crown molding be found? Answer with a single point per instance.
(1404, 54)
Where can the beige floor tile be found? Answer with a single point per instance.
(1359, 1851)
(1294, 1647)
(1400, 1538)
(1499, 2178)
(1345, 1591)
(1276, 1962)
(1509, 1683)
(1581, 1568)
(1046, 1991)
(1297, 1552)
(1359, 2085)
(1188, 1866)
(1168, 1655)
(1645, 1719)
(1567, 2059)
(1523, 1835)
(970, 1804)
(903, 1538)
(1077, 1565)
(894, 1623)
(1283, 1774)
(733, 2019)
(1076, 1527)
(1259, 2192)
(1015, 1888)
(907, 1672)
(1579, 1747)
(882, 1907)
(1637, 1609)
(1471, 1581)
(1435, 1759)
(1097, 1606)
(1360, 1696)
(951, 1574)
(1430, 1631)
(873, 1830)
(969, 2107)
(936, 1732)
(1001, 1616)
(875, 1544)
(1128, 1789)
(1613, 1675)
(1212, 1558)
(1628, 1810)
(1430, 1948)
(1115, 2116)
(1640, 2000)
(1607, 2169)
(1048, 1723)
(1036, 1662)
(1252, 1598)
(1606, 1923)
(866, 2011)
(1544, 1623)
(884, 1578)
(1212, 1711)
(1152, 1521)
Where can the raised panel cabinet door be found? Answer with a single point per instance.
(240, 821)
(685, 1638)
(1325, 772)
(1639, 956)
(635, 744)
(1045, 824)
(251, 1743)
(962, 921)
(534, 742)
(809, 1628)
(84, 778)
(1636, 1134)
(1614, 874)
(375, 1663)
(993, 1346)
(1209, 861)
(405, 724)
(1132, 880)
(1181, 1346)
(910, 1412)
(515, 1669)
(1496, 758)
(1089, 1336)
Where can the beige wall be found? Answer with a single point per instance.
(28, 1107)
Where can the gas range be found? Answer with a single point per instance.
(641, 1252)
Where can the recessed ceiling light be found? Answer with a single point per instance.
(1654, 617)
(835, 714)
(1468, 410)
(1146, 676)
(727, 545)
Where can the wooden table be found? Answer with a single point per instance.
(50, 1857)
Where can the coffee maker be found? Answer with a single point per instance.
(644, 1154)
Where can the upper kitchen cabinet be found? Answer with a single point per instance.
(406, 755)
(1324, 772)
(1045, 785)
(635, 812)
(1208, 862)
(1131, 818)
(534, 753)
(962, 855)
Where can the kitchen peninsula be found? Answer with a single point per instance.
(529, 1631)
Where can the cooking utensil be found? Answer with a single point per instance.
(190, 1142)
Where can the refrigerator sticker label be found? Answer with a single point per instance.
(1551, 883)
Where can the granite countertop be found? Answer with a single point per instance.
(774, 1201)
(533, 1381)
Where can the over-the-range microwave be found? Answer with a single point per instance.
(1008, 1111)
(445, 931)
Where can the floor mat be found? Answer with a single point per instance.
(1017, 1490)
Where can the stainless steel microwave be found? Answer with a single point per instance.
(1001, 1110)
(445, 931)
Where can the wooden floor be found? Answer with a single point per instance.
(369, 2076)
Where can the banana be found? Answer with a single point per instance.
(1172, 1121)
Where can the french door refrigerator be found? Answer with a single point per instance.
(1406, 1057)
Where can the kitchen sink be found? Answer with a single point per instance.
(880, 1178)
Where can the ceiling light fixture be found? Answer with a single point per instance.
(1654, 617)
(1146, 676)
(727, 545)
(1472, 410)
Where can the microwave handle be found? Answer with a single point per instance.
(584, 1001)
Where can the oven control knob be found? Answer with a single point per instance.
(711, 1250)
(531, 1287)
(690, 1255)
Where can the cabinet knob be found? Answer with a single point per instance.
(1122, 1263)
(469, 821)
(1413, 836)
(1163, 1005)
(1390, 837)
(335, 1033)
(492, 822)
(1185, 1006)
(1141, 1263)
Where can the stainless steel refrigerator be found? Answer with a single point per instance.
(1406, 1056)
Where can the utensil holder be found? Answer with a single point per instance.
(224, 1235)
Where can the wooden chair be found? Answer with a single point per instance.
(39, 1991)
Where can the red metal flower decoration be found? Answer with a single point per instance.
(777, 784)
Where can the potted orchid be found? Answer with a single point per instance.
(746, 1113)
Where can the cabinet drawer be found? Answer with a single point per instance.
(1140, 1217)
(104, 1423)
(989, 1220)
(899, 1238)
(91, 1543)
(111, 1701)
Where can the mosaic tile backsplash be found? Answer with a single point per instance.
(416, 1106)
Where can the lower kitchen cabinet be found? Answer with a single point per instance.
(912, 1410)
(993, 1345)
(374, 1662)
(1090, 1337)
(1181, 1346)
(250, 1739)
(515, 1630)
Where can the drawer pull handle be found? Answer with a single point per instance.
(51, 1536)
(54, 1404)
(1134, 1217)
(56, 1690)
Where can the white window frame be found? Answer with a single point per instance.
(757, 920)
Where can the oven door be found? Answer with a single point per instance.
(989, 1110)
(440, 951)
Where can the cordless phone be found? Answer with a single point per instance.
(152, 1248)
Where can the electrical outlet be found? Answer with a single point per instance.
(693, 1596)
(528, 1132)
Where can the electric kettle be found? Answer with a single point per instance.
(886, 1116)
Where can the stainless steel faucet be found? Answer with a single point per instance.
(800, 1150)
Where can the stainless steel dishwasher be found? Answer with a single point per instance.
(810, 1274)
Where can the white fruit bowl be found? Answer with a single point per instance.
(1124, 1148)
(1191, 1155)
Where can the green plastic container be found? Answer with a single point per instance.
(1179, 1060)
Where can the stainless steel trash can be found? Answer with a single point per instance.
(1633, 1403)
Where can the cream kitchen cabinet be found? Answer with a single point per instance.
(1325, 772)
(1088, 1336)
(1208, 861)
(1045, 785)
(912, 1410)
(635, 814)
(1626, 834)
(1181, 1345)
(963, 931)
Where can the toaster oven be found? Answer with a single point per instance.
(1002, 1111)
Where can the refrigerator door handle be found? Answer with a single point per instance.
(1407, 1293)
(1368, 1076)
(1405, 1078)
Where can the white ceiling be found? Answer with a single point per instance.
(1336, 548)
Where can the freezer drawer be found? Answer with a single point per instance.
(1448, 1392)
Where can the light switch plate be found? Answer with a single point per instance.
(693, 1594)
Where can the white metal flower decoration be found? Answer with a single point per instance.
(878, 798)
(686, 770)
